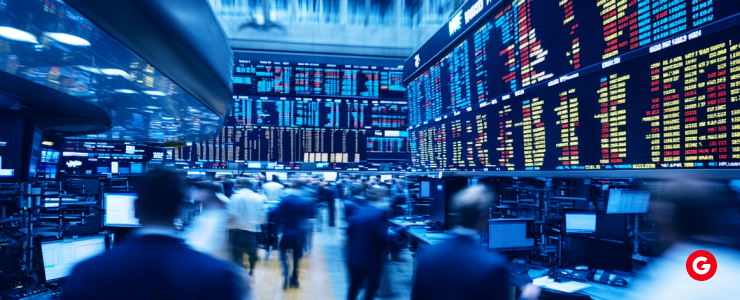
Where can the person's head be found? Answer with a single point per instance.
(245, 183)
(298, 182)
(687, 209)
(356, 189)
(160, 192)
(376, 193)
(276, 178)
(205, 193)
(471, 206)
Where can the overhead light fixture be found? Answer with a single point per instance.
(68, 39)
(115, 72)
(13, 34)
(90, 69)
(153, 107)
(155, 93)
(125, 91)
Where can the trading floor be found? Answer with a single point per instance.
(324, 272)
(466, 149)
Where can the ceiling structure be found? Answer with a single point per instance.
(84, 72)
(376, 28)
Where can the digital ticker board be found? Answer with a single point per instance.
(579, 85)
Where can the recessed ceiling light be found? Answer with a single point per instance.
(115, 72)
(13, 34)
(68, 39)
(155, 93)
(125, 91)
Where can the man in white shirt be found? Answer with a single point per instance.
(273, 190)
(248, 213)
(208, 232)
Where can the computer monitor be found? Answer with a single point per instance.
(425, 189)
(580, 222)
(119, 210)
(599, 253)
(60, 256)
(510, 234)
(622, 201)
(137, 168)
(330, 176)
(386, 177)
(611, 226)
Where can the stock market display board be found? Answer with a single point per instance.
(323, 112)
(579, 85)
(319, 112)
(276, 78)
(323, 130)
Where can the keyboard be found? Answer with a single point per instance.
(32, 293)
(569, 274)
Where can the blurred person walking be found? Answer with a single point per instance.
(328, 196)
(458, 268)
(366, 244)
(248, 213)
(273, 189)
(294, 211)
(208, 232)
(692, 215)
(154, 263)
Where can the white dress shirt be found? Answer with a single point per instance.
(208, 234)
(247, 210)
(273, 191)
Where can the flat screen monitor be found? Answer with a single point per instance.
(137, 168)
(60, 257)
(510, 234)
(611, 226)
(425, 189)
(254, 165)
(598, 253)
(329, 176)
(580, 222)
(119, 210)
(103, 170)
(623, 201)
(114, 167)
(386, 177)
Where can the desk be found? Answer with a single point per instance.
(429, 238)
(596, 291)
(418, 230)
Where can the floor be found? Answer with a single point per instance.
(323, 271)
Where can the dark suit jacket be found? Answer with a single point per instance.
(366, 238)
(153, 267)
(294, 211)
(458, 269)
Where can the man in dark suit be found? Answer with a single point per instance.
(458, 268)
(294, 211)
(367, 239)
(154, 263)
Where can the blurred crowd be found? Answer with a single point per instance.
(218, 249)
